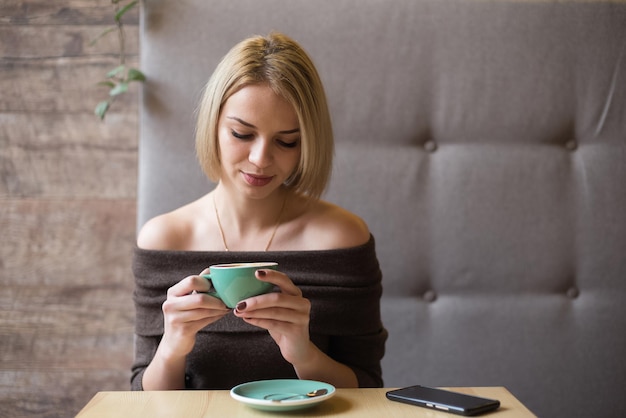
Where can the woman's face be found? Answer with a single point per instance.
(259, 140)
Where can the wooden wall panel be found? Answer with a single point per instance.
(68, 155)
(61, 41)
(62, 85)
(66, 312)
(64, 395)
(67, 208)
(45, 240)
(58, 12)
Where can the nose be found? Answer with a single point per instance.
(261, 153)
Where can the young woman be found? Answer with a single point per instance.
(264, 136)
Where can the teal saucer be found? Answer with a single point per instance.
(254, 394)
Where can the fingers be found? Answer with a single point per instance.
(285, 315)
(276, 306)
(188, 285)
(188, 309)
(187, 301)
(276, 312)
(282, 306)
(194, 306)
(279, 279)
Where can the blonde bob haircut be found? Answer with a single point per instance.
(280, 62)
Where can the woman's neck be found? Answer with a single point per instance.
(248, 223)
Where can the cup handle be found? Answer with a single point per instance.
(212, 291)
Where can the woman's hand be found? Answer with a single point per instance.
(285, 315)
(186, 311)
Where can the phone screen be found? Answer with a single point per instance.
(443, 400)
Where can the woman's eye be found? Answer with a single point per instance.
(285, 144)
(240, 136)
(280, 142)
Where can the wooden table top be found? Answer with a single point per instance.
(347, 403)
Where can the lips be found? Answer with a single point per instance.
(257, 180)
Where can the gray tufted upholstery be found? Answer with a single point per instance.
(483, 141)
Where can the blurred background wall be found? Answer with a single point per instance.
(67, 207)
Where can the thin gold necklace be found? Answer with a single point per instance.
(219, 224)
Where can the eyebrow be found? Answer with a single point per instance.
(249, 125)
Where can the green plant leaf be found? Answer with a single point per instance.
(102, 34)
(120, 88)
(107, 83)
(124, 9)
(118, 78)
(116, 71)
(101, 109)
(135, 75)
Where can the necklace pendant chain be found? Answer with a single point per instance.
(269, 243)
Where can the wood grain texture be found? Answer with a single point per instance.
(60, 85)
(53, 394)
(59, 12)
(43, 241)
(68, 155)
(66, 312)
(346, 403)
(26, 41)
(67, 208)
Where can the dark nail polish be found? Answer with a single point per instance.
(241, 306)
(262, 273)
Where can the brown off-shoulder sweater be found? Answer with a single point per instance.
(343, 285)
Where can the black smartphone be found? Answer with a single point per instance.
(443, 400)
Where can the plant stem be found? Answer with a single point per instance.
(121, 37)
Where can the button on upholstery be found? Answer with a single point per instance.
(430, 146)
(430, 296)
(572, 292)
(571, 145)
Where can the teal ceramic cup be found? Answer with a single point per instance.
(235, 282)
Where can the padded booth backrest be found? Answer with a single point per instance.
(483, 141)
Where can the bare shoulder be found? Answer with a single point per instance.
(170, 231)
(330, 226)
(160, 233)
